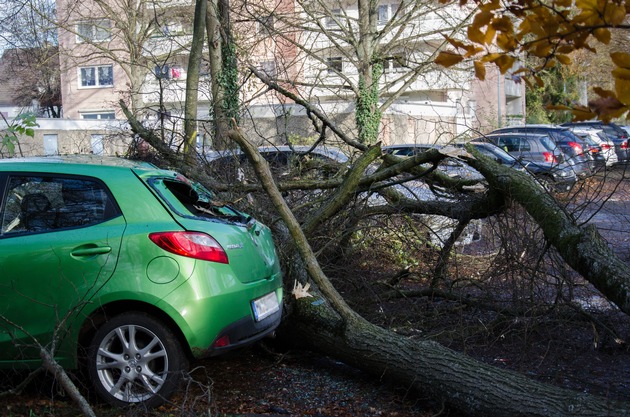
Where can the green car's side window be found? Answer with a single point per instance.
(41, 203)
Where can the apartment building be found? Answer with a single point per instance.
(140, 56)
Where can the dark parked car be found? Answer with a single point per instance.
(615, 133)
(232, 164)
(449, 166)
(568, 143)
(559, 177)
(130, 270)
(528, 146)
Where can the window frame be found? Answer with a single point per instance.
(99, 115)
(334, 65)
(96, 74)
(95, 28)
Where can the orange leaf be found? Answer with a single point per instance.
(475, 35)
(448, 59)
(621, 59)
(622, 84)
(505, 62)
(480, 70)
(503, 24)
(456, 43)
(614, 13)
(563, 59)
(489, 37)
(602, 35)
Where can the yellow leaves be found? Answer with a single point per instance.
(614, 14)
(480, 70)
(563, 59)
(602, 35)
(504, 62)
(448, 59)
(506, 42)
(476, 35)
(622, 84)
(621, 59)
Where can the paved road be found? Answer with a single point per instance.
(608, 208)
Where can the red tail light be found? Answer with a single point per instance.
(191, 244)
(223, 341)
(605, 146)
(576, 147)
(549, 157)
(624, 144)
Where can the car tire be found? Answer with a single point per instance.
(135, 359)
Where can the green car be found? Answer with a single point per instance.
(128, 270)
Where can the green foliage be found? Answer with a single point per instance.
(560, 87)
(229, 81)
(368, 115)
(22, 125)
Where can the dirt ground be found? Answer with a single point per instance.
(585, 349)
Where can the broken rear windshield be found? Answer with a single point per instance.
(192, 199)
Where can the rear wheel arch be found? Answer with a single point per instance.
(96, 319)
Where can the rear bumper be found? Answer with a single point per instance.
(242, 333)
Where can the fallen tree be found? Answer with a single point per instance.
(329, 325)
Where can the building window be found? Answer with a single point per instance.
(169, 72)
(395, 62)
(94, 31)
(331, 21)
(97, 76)
(108, 115)
(268, 68)
(386, 12)
(50, 144)
(96, 142)
(265, 25)
(335, 64)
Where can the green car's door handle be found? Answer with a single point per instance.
(91, 251)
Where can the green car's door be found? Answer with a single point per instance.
(59, 242)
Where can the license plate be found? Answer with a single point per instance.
(265, 306)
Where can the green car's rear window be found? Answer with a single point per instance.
(190, 199)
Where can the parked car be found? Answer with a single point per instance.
(615, 133)
(135, 269)
(598, 138)
(232, 164)
(449, 166)
(559, 177)
(568, 143)
(528, 146)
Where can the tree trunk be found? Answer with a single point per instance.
(434, 371)
(192, 78)
(477, 389)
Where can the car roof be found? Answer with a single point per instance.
(327, 151)
(111, 161)
(512, 134)
(412, 145)
(533, 126)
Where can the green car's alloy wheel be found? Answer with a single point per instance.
(133, 359)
